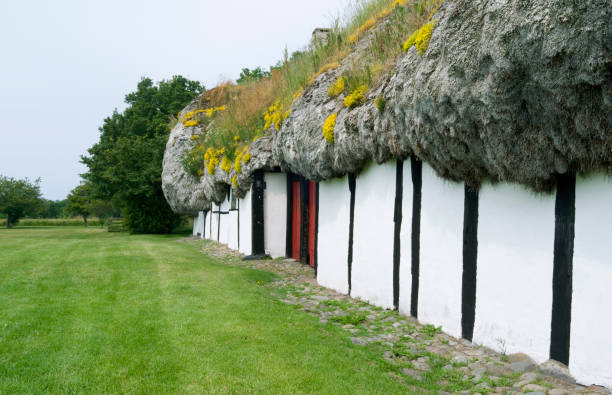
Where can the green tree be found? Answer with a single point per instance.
(247, 75)
(19, 198)
(125, 166)
(53, 208)
(102, 209)
(79, 201)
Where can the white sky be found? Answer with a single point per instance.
(66, 64)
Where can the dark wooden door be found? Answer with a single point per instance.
(296, 220)
(312, 221)
(257, 202)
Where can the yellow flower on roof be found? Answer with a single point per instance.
(212, 110)
(356, 97)
(226, 164)
(398, 3)
(420, 38)
(367, 25)
(212, 158)
(337, 87)
(274, 116)
(325, 68)
(328, 128)
(298, 94)
(238, 164)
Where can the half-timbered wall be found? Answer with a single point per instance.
(481, 263)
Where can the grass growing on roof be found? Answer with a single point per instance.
(260, 106)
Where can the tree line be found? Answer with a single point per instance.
(124, 166)
(20, 198)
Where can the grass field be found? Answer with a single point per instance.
(87, 311)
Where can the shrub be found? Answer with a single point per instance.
(328, 128)
(193, 161)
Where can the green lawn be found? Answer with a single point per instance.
(87, 311)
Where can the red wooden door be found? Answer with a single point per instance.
(296, 220)
(312, 221)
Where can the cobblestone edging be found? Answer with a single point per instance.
(422, 355)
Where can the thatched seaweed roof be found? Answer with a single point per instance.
(513, 90)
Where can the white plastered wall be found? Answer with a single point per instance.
(233, 230)
(372, 269)
(591, 329)
(245, 224)
(406, 242)
(207, 230)
(194, 232)
(275, 214)
(224, 229)
(200, 223)
(516, 231)
(214, 219)
(441, 258)
(334, 216)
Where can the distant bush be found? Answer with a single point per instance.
(54, 222)
(116, 225)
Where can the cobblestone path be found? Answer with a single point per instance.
(421, 355)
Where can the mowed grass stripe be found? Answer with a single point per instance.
(85, 311)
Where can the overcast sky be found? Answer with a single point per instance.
(66, 64)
